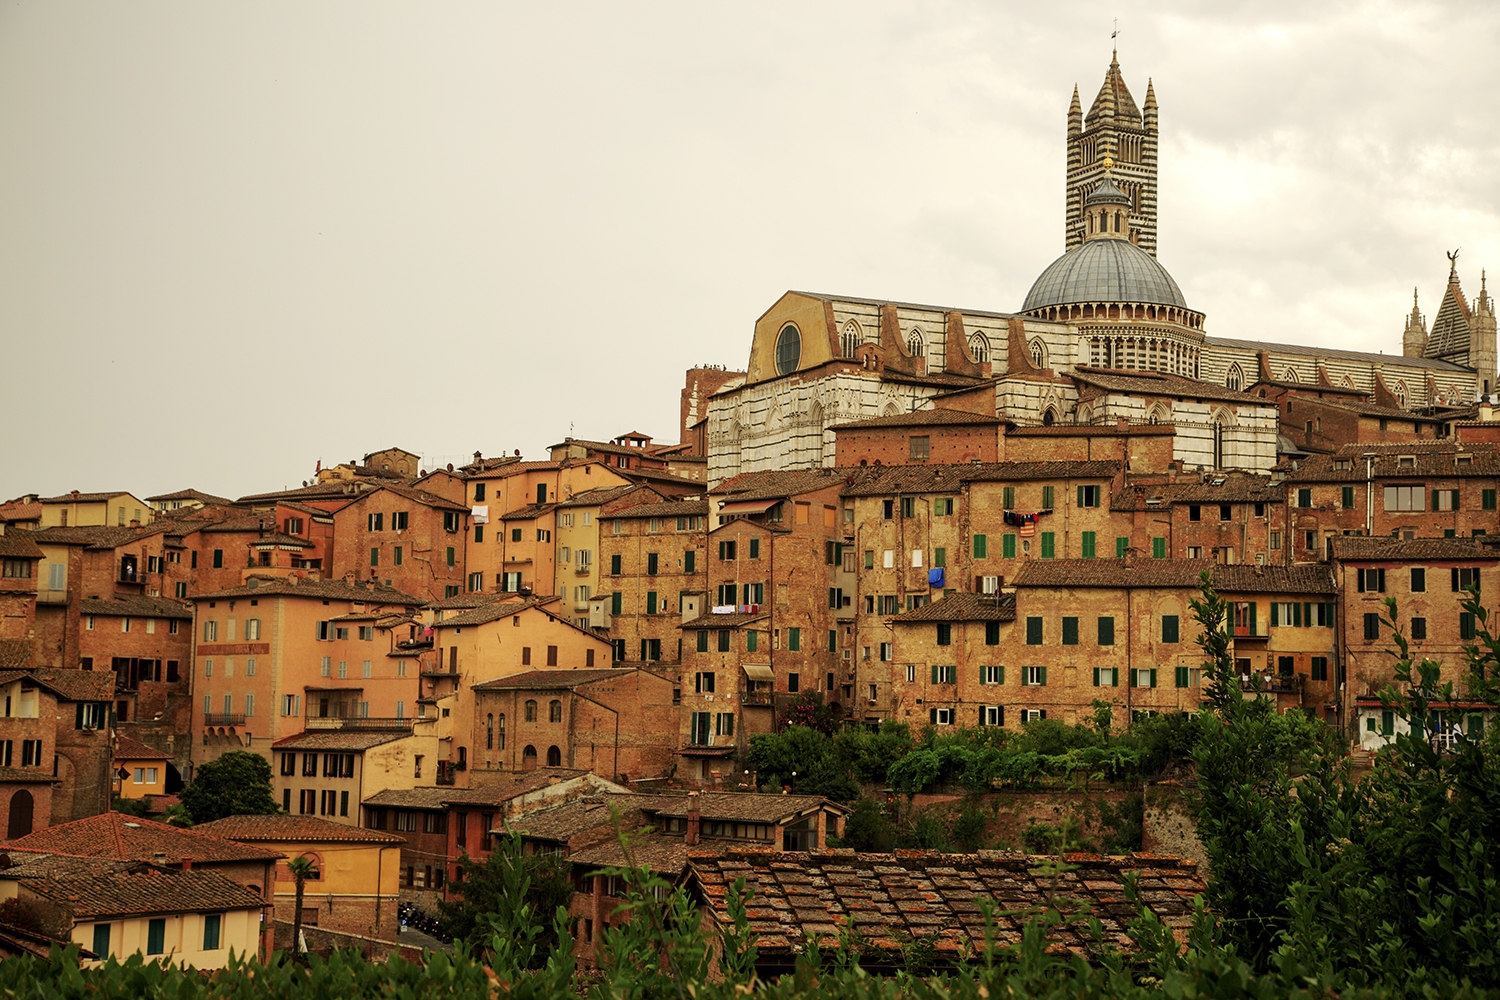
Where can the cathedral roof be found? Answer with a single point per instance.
(1452, 326)
(1114, 88)
(1107, 193)
(1104, 271)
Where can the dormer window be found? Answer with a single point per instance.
(1406, 461)
(1341, 464)
(1463, 459)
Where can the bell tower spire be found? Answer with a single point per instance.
(1414, 339)
(1114, 128)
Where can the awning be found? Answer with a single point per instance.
(758, 672)
(747, 506)
(706, 751)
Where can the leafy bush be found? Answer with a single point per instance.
(236, 784)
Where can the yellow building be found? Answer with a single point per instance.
(117, 909)
(327, 773)
(87, 509)
(356, 882)
(138, 769)
(577, 540)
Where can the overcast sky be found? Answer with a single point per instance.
(239, 238)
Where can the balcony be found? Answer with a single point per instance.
(764, 699)
(1273, 684)
(386, 724)
(223, 719)
(1246, 632)
(406, 645)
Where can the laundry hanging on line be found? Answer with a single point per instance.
(1025, 521)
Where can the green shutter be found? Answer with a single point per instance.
(1106, 631)
(1121, 544)
(1033, 631)
(1088, 544)
(934, 674)
(1044, 676)
(1182, 677)
(1080, 496)
(1348, 497)
(1096, 677)
(1170, 628)
(1488, 499)
(1306, 613)
(979, 546)
(1049, 545)
(1388, 723)
(1009, 495)
(1046, 498)
(1008, 546)
(1153, 677)
(650, 602)
(1069, 631)
(1158, 548)
(1275, 614)
(614, 602)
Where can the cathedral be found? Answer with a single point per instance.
(1105, 338)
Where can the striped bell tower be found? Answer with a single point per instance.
(1115, 129)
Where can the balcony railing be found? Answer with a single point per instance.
(222, 719)
(331, 722)
(756, 698)
(1276, 684)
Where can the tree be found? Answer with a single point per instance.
(302, 869)
(803, 758)
(868, 828)
(236, 784)
(508, 894)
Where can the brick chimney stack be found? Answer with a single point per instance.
(694, 820)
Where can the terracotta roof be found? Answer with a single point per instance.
(571, 818)
(130, 748)
(516, 785)
(492, 611)
(550, 679)
(277, 538)
(190, 494)
(528, 512)
(418, 496)
(667, 508)
(777, 485)
(596, 497)
(16, 654)
(889, 480)
(353, 740)
(733, 620)
(1359, 548)
(661, 854)
(18, 545)
(76, 497)
(135, 606)
(1161, 384)
(20, 510)
(334, 489)
(894, 898)
(1429, 462)
(963, 607)
(280, 586)
(115, 835)
(1176, 573)
(739, 807)
(145, 890)
(508, 467)
(77, 685)
(279, 827)
(100, 536)
(467, 600)
(410, 798)
(30, 864)
(1230, 488)
(923, 418)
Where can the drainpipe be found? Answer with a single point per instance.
(1369, 458)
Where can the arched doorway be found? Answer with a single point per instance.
(21, 809)
(554, 757)
(528, 758)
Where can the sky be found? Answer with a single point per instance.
(240, 239)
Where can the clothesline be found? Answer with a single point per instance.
(1025, 521)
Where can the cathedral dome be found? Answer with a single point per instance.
(1104, 270)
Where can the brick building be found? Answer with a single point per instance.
(1231, 518)
(652, 562)
(944, 665)
(19, 557)
(727, 693)
(327, 773)
(938, 436)
(404, 537)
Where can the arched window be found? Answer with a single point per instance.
(554, 711)
(1290, 375)
(1221, 423)
(1158, 415)
(1399, 391)
(1235, 379)
(528, 758)
(1049, 418)
(788, 350)
(979, 348)
(554, 757)
(850, 339)
(489, 732)
(1119, 217)
(916, 344)
(20, 820)
(530, 711)
(1038, 354)
(500, 733)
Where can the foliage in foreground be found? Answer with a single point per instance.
(237, 783)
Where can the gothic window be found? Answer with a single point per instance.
(1348, 382)
(915, 344)
(1158, 415)
(1290, 375)
(1049, 418)
(1400, 393)
(850, 339)
(979, 348)
(1235, 379)
(1038, 354)
(1221, 424)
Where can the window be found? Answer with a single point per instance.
(399, 520)
(1486, 500)
(1466, 630)
(1049, 545)
(156, 936)
(919, 448)
(530, 710)
(211, 924)
(515, 534)
(1047, 497)
(788, 349)
(1463, 579)
(1106, 631)
(1106, 677)
(727, 550)
(940, 716)
(101, 940)
(1318, 668)
(941, 507)
(210, 631)
(1158, 548)
(1373, 580)
(992, 675)
(1088, 544)
(754, 549)
(1008, 546)
(1121, 545)
(992, 715)
(478, 533)
(1145, 677)
(1346, 497)
(992, 633)
(1445, 499)
(554, 711)
(1372, 625)
(1304, 497)
(794, 639)
(944, 674)
(1419, 628)
(1034, 676)
(944, 633)
(980, 546)
(1186, 676)
(793, 683)
(1088, 496)
(1404, 497)
(1069, 631)
(1034, 631)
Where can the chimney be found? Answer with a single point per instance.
(694, 820)
(187, 864)
(159, 859)
(478, 458)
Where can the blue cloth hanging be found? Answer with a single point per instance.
(935, 576)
